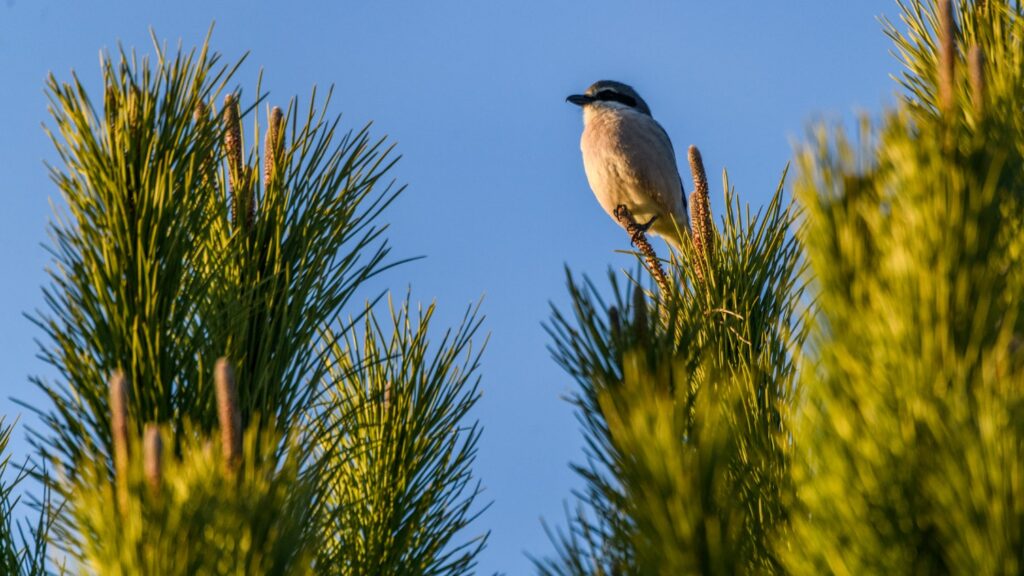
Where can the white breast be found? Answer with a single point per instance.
(629, 160)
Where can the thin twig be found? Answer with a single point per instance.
(272, 145)
(639, 237)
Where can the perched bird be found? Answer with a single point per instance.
(629, 159)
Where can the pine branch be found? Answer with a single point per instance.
(395, 424)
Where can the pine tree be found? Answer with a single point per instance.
(874, 427)
(909, 445)
(213, 412)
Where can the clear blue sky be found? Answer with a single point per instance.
(473, 93)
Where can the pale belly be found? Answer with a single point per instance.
(616, 181)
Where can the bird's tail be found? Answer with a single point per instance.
(674, 241)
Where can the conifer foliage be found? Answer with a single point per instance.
(23, 549)
(683, 401)
(873, 426)
(910, 444)
(828, 385)
(205, 416)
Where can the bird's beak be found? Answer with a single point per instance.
(580, 99)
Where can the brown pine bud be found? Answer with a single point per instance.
(273, 144)
(152, 453)
(233, 150)
(947, 57)
(976, 70)
(700, 177)
(119, 435)
(700, 213)
(199, 113)
(228, 413)
(119, 423)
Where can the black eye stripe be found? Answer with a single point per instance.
(611, 96)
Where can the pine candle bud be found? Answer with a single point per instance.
(272, 146)
(199, 112)
(152, 452)
(700, 212)
(119, 435)
(228, 413)
(976, 71)
(947, 57)
(119, 423)
(233, 150)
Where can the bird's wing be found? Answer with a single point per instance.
(668, 140)
(662, 144)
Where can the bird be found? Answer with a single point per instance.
(629, 160)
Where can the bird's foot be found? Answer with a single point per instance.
(625, 217)
(647, 226)
(637, 231)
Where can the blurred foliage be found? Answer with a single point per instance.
(910, 440)
(196, 516)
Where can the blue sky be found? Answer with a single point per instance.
(473, 94)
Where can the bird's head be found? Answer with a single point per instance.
(611, 93)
